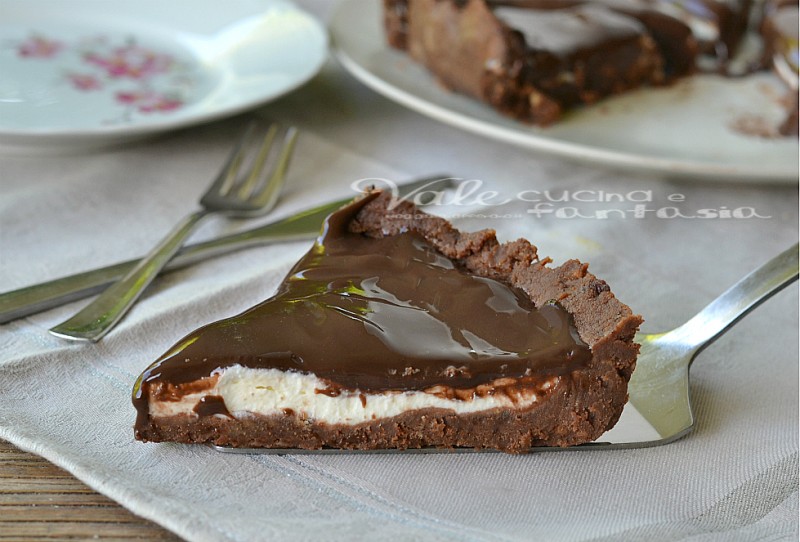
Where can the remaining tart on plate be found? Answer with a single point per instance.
(779, 27)
(529, 64)
(533, 60)
(398, 331)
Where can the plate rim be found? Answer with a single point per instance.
(671, 167)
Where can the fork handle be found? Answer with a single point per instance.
(741, 298)
(102, 314)
(54, 293)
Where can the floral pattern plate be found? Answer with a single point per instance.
(86, 73)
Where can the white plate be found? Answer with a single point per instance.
(86, 73)
(684, 130)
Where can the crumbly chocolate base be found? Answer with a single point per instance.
(574, 413)
(577, 409)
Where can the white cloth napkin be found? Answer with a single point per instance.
(734, 478)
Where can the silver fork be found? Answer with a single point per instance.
(659, 387)
(300, 226)
(232, 194)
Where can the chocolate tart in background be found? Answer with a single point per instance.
(533, 60)
(779, 28)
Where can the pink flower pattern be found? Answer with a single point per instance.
(39, 47)
(130, 61)
(148, 101)
(155, 79)
(84, 82)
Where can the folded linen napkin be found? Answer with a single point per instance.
(734, 478)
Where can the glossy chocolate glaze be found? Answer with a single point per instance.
(580, 54)
(570, 32)
(381, 314)
(211, 405)
(673, 36)
(718, 25)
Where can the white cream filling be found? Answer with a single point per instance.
(270, 391)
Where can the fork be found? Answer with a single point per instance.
(659, 387)
(299, 226)
(232, 194)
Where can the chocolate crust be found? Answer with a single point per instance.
(578, 412)
(577, 408)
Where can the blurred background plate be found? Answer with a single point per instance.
(701, 127)
(85, 73)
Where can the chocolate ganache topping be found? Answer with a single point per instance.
(380, 314)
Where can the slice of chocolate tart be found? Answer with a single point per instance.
(534, 60)
(665, 21)
(396, 330)
(530, 64)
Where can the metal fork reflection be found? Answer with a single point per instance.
(232, 193)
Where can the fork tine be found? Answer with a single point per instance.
(227, 175)
(246, 188)
(270, 191)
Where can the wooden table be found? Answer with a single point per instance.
(39, 501)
